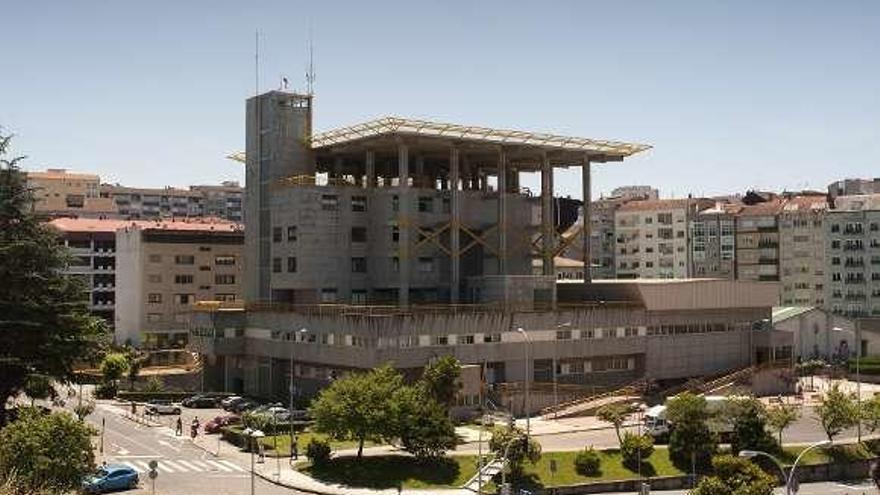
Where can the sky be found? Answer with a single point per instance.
(731, 95)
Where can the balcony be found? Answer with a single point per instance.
(763, 260)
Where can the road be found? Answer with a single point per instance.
(183, 467)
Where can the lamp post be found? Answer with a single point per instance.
(749, 454)
(528, 343)
(858, 345)
(301, 331)
(252, 435)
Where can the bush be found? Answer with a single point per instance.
(636, 448)
(154, 385)
(318, 452)
(587, 462)
(106, 390)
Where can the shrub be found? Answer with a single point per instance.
(154, 385)
(635, 448)
(106, 390)
(318, 452)
(587, 462)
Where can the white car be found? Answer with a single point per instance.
(229, 400)
(161, 407)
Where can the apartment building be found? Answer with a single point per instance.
(713, 241)
(757, 241)
(652, 237)
(853, 187)
(602, 242)
(222, 201)
(151, 203)
(164, 267)
(92, 245)
(635, 192)
(802, 250)
(60, 192)
(852, 270)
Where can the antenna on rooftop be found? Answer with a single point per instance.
(256, 62)
(310, 72)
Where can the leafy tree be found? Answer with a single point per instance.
(154, 385)
(749, 418)
(424, 427)
(45, 327)
(440, 380)
(359, 407)
(83, 410)
(615, 414)
(518, 447)
(781, 417)
(113, 367)
(51, 451)
(38, 387)
(635, 449)
(135, 363)
(735, 476)
(318, 452)
(691, 439)
(837, 411)
(871, 413)
(587, 462)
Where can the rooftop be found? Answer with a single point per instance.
(61, 173)
(112, 225)
(663, 204)
(782, 313)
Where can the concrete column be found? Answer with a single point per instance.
(588, 224)
(371, 169)
(403, 222)
(420, 178)
(455, 232)
(336, 173)
(502, 212)
(547, 223)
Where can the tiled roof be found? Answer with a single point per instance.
(112, 225)
(761, 209)
(663, 204)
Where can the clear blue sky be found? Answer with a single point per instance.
(732, 95)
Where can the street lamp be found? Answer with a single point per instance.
(858, 345)
(528, 342)
(301, 331)
(749, 454)
(252, 434)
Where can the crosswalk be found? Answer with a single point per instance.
(168, 466)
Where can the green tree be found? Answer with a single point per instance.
(51, 451)
(135, 363)
(837, 411)
(781, 417)
(518, 447)
(440, 380)
(749, 418)
(83, 410)
(424, 427)
(154, 385)
(113, 367)
(38, 387)
(359, 407)
(45, 327)
(735, 476)
(691, 441)
(871, 413)
(615, 414)
(636, 449)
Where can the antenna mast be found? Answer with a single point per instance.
(256, 62)
(310, 74)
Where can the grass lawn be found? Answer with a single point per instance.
(836, 453)
(302, 440)
(611, 468)
(393, 470)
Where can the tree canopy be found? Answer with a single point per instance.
(615, 414)
(440, 380)
(735, 476)
(691, 441)
(749, 418)
(837, 411)
(45, 325)
(781, 417)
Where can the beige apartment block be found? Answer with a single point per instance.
(164, 268)
(652, 237)
(757, 241)
(802, 250)
(713, 241)
(58, 191)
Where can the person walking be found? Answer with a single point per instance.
(179, 428)
(195, 427)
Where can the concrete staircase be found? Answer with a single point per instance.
(584, 405)
(485, 475)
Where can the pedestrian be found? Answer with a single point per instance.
(294, 450)
(195, 427)
(179, 429)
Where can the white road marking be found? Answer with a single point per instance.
(144, 466)
(233, 466)
(219, 466)
(133, 466)
(189, 465)
(163, 467)
(173, 465)
(202, 466)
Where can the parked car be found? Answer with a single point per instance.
(244, 405)
(229, 402)
(111, 477)
(161, 407)
(200, 401)
(215, 424)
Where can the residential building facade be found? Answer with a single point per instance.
(713, 241)
(757, 241)
(802, 250)
(60, 192)
(852, 271)
(222, 201)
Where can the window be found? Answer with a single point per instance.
(631, 332)
(154, 278)
(224, 260)
(184, 259)
(276, 234)
(835, 227)
(358, 234)
(441, 340)
(426, 265)
(395, 203)
(291, 233)
(359, 265)
(224, 279)
(358, 203)
(395, 233)
(155, 258)
(204, 268)
(358, 296)
(224, 297)
(276, 265)
(291, 264)
(588, 333)
(183, 279)
(426, 204)
(395, 264)
(154, 298)
(328, 296)
(154, 317)
(576, 368)
(490, 338)
(465, 339)
(204, 248)
(563, 335)
(184, 298)
(329, 202)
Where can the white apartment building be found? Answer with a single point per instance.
(802, 250)
(713, 241)
(852, 270)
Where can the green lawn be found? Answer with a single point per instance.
(836, 453)
(302, 440)
(611, 468)
(380, 472)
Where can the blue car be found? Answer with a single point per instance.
(111, 477)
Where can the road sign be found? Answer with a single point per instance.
(153, 474)
(153, 464)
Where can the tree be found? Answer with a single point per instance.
(46, 327)
(516, 445)
(871, 413)
(615, 414)
(359, 407)
(113, 367)
(38, 387)
(636, 449)
(691, 442)
(735, 476)
(440, 380)
(749, 418)
(424, 427)
(781, 417)
(135, 363)
(83, 410)
(52, 452)
(837, 411)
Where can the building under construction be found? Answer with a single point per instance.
(402, 240)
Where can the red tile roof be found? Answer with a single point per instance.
(664, 204)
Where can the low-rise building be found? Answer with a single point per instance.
(853, 187)
(149, 203)
(164, 268)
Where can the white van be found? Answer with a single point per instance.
(657, 424)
